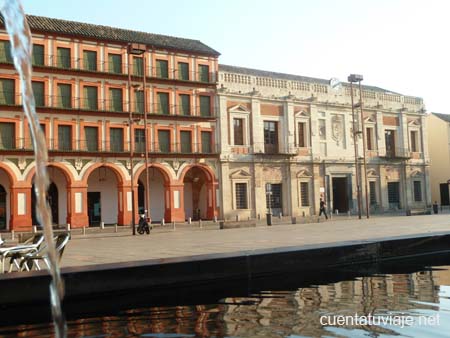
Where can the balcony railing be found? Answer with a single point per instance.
(108, 105)
(397, 153)
(275, 149)
(116, 147)
(120, 68)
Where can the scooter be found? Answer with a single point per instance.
(143, 225)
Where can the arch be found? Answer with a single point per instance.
(206, 170)
(66, 172)
(9, 173)
(166, 174)
(119, 174)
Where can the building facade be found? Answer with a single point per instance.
(439, 146)
(286, 141)
(105, 96)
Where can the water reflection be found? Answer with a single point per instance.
(283, 313)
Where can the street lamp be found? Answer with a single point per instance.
(135, 49)
(269, 198)
(352, 79)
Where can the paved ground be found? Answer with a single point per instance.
(190, 240)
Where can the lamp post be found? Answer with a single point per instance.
(364, 145)
(355, 78)
(269, 198)
(134, 49)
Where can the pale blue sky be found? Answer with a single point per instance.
(399, 45)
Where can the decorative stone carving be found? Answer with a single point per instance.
(337, 128)
(78, 164)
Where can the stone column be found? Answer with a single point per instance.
(257, 127)
(211, 203)
(174, 195)
(77, 213)
(124, 204)
(20, 208)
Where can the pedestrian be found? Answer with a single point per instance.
(322, 208)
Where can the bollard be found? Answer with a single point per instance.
(259, 217)
(173, 226)
(303, 214)
(189, 220)
(215, 219)
(221, 225)
(13, 234)
(68, 226)
(102, 225)
(163, 222)
(294, 220)
(348, 213)
(336, 212)
(280, 215)
(200, 223)
(269, 218)
(237, 218)
(84, 231)
(34, 229)
(115, 227)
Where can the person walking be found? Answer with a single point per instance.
(322, 208)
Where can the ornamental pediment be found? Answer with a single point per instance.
(239, 109)
(240, 174)
(304, 173)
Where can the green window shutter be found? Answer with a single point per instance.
(38, 55)
(90, 60)
(205, 105)
(185, 104)
(7, 135)
(115, 63)
(138, 66)
(115, 95)
(139, 140)
(203, 73)
(63, 57)
(64, 138)
(116, 139)
(90, 97)
(183, 71)
(5, 52)
(38, 91)
(163, 103)
(164, 141)
(206, 142)
(7, 92)
(185, 140)
(65, 95)
(91, 134)
(162, 69)
(139, 101)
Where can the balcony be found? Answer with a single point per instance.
(119, 69)
(394, 154)
(116, 149)
(274, 149)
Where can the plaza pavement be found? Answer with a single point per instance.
(163, 242)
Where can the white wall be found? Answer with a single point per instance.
(4, 181)
(104, 181)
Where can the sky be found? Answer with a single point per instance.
(400, 45)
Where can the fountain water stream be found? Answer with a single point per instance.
(21, 49)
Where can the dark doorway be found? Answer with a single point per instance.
(394, 195)
(52, 199)
(340, 194)
(94, 208)
(274, 201)
(389, 138)
(2, 208)
(445, 199)
(141, 198)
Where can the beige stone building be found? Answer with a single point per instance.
(287, 140)
(439, 146)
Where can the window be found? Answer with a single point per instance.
(139, 100)
(7, 91)
(163, 103)
(138, 66)
(183, 71)
(241, 195)
(302, 134)
(304, 194)
(65, 138)
(394, 194)
(414, 141)
(205, 105)
(90, 97)
(373, 193)
(63, 57)
(115, 95)
(273, 196)
(64, 95)
(7, 135)
(185, 104)
(37, 58)
(116, 139)
(389, 137)
(38, 91)
(185, 140)
(90, 60)
(206, 142)
(238, 129)
(369, 138)
(5, 51)
(115, 63)
(203, 73)
(270, 137)
(162, 69)
(417, 191)
(322, 130)
(91, 134)
(164, 141)
(139, 140)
